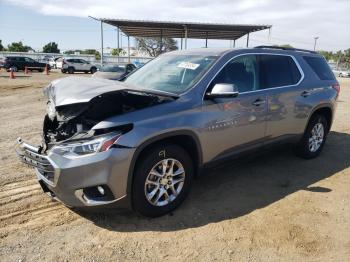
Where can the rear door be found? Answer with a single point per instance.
(30, 62)
(237, 123)
(281, 76)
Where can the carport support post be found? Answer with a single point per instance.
(248, 39)
(118, 41)
(101, 42)
(181, 42)
(161, 41)
(185, 38)
(234, 43)
(206, 39)
(129, 49)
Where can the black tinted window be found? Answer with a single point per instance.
(241, 72)
(320, 67)
(278, 70)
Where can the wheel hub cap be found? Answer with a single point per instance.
(164, 182)
(316, 137)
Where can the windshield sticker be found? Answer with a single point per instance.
(188, 65)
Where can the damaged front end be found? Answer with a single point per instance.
(74, 121)
(79, 163)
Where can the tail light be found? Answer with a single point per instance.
(336, 87)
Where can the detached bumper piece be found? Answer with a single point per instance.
(31, 156)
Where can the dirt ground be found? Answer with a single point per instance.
(274, 207)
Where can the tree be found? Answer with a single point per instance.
(51, 47)
(84, 52)
(286, 46)
(1, 46)
(116, 51)
(18, 47)
(154, 46)
(328, 55)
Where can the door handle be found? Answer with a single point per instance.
(305, 93)
(258, 102)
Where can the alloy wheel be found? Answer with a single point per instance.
(316, 137)
(164, 182)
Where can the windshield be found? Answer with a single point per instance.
(171, 73)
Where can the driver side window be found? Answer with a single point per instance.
(242, 72)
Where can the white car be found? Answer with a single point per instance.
(52, 62)
(342, 73)
(72, 65)
(59, 63)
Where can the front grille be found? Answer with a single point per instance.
(38, 161)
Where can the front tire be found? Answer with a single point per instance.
(93, 70)
(314, 138)
(162, 180)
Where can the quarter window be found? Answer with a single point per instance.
(278, 70)
(242, 72)
(320, 67)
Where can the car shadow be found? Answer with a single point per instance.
(239, 188)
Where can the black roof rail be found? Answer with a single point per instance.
(286, 48)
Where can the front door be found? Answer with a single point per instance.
(238, 123)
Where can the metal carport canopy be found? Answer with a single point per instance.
(142, 28)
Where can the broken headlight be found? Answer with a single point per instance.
(86, 147)
(50, 109)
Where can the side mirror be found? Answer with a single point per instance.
(223, 91)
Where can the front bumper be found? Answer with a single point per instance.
(66, 179)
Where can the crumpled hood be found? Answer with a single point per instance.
(72, 90)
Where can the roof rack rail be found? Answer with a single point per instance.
(285, 48)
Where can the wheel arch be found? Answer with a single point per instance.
(324, 109)
(185, 138)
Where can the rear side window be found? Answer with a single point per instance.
(277, 71)
(320, 67)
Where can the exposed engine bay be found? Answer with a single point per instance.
(74, 121)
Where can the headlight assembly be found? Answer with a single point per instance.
(50, 109)
(86, 147)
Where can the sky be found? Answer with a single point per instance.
(66, 22)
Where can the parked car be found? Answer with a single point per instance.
(141, 142)
(139, 64)
(114, 72)
(73, 65)
(342, 73)
(52, 62)
(20, 62)
(59, 63)
(2, 61)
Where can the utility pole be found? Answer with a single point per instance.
(118, 42)
(101, 37)
(315, 42)
(101, 42)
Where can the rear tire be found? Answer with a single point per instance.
(70, 70)
(314, 138)
(159, 184)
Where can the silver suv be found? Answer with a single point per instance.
(139, 142)
(72, 65)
